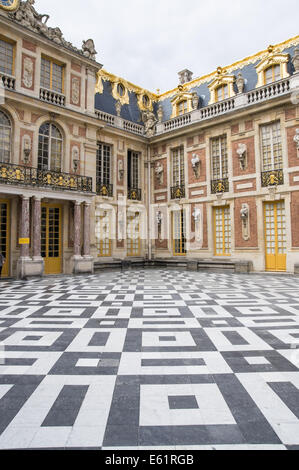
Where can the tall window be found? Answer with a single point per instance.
(271, 147)
(272, 74)
(222, 231)
(178, 167)
(219, 158)
(133, 170)
(50, 143)
(5, 138)
(222, 93)
(182, 108)
(52, 75)
(6, 57)
(103, 163)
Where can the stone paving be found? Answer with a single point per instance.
(150, 359)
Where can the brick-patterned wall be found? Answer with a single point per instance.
(30, 46)
(292, 148)
(290, 114)
(295, 218)
(253, 240)
(250, 157)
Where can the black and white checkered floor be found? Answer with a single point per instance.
(150, 359)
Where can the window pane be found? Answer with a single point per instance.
(45, 78)
(5, 138)
(6, 57)
(219, 158)
(57, 77)
(271, 147)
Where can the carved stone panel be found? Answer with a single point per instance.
(28, 72)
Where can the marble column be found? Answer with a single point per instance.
(86, 232)
(25, 226)
(77, 229)
(36, 228)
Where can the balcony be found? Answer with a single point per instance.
(52, 97)
(220, 186)
(8, 81)
(134, 194)
(272, 178)
(24, 175)
(104, 189)
(178, 192)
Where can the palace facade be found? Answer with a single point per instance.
(96, 171)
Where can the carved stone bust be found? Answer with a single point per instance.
(240, 82)
(150, 121)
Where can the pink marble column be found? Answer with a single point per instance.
(86, 233)
(77, 229)
(25, 226)
(36, 228)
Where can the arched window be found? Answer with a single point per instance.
(222, 93)
(5, 138)
(50, 143)
(182, 107)
(272, 74)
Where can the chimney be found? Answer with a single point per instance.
(185, 76)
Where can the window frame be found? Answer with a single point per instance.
(180, 165)
(222, 87)
(10, 127)
(278, 165)
(102, 161)
(13, 44)
(53, 62)
(222, 159)
(274, 79)
(50, 138)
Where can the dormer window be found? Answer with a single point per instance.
(182, 108)
(272, 74)
(120, 90)
(222, 93)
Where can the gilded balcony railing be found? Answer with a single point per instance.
(134, 194)
(178, 192)
(220, 186)
(104, 189)
(272, 178)
(20, 174)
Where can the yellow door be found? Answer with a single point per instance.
(179, 233)
(133, 235)
(51, 238)
(275, 236)
(103, 240)
(222, 231)
(4, 234)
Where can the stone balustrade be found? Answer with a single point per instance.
(52, 97)
(8, 81)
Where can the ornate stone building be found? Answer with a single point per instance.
(96, 171)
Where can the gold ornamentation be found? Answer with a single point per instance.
(273, 57)
(142, 103)
(9, 5)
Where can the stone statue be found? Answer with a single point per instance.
(150, 121)
(296, 59)
(88, 49)
(195, 164)
(296, 138)
(118, 108)
(244, 212)
(160, 113)
(28, 16)
(240, 83)
(242, 151)
(159, 171)
(195, 100)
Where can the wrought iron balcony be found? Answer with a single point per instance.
(220, 186)
(178, 192)
(8, 81)
(104, 189)
(272, 178)
(134, 194)
(25, 175)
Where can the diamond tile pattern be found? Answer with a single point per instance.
(150, 358)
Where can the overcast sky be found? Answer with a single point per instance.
(149, 41)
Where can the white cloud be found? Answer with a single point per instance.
(148, 42)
